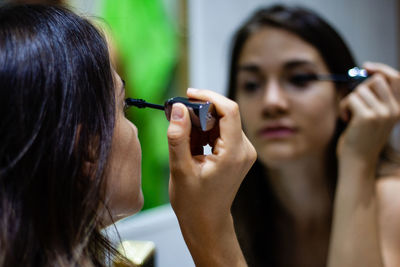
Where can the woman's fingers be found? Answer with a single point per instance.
(384, 69)
(358, 107)
(179, 139)
(380, 108)
(391, 75)
(231, 137)
(379, 92)
(379, 85)
(370, 99)
(227, 110)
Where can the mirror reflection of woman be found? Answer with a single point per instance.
(312, 198)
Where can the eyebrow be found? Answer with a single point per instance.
(249, 68)
(299, 63)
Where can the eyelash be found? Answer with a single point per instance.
(125, 106)
(250, 86)
(300, 81)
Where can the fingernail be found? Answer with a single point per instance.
(177, 112)
(191, 90)
(367, 64)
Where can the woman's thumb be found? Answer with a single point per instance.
(179, 137)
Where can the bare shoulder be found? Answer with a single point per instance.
(388, 192)
(388, 185)
(388, 196)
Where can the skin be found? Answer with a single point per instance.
(273, 100)
(296, 156)
(124, 185)
(202, 188)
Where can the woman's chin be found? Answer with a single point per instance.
(276, 157)
(131, 209)
(115, 214)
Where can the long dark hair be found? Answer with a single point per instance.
(57, 119)
(254, 205)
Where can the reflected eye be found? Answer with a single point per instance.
(250, 86)
(302, 80)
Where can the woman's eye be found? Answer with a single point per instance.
(250, 86)
(125, 108)
(302, 80)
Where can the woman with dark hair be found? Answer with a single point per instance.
(311, 198)
(70, 160)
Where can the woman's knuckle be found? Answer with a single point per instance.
(234, 108)
(253, 155)
(370, 117)
(385, 113)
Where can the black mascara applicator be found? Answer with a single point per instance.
(202, 114)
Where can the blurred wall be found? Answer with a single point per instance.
(368, 26)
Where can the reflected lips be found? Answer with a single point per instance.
(275, 132)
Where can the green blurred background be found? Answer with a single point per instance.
(145, 44)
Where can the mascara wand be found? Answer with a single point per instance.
(202, 114)
(140, 103)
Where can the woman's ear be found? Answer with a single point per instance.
(91, 157)
(90, 151)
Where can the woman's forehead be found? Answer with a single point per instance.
(272, 46)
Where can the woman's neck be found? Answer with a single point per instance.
(303, 189)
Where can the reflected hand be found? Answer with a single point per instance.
(371, 110)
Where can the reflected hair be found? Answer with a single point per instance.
(57, 120)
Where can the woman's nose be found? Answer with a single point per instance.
(275, 99)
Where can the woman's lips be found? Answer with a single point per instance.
(276, 132)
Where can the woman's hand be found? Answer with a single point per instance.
(374, 109)
(202, 188)
(371, 111)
